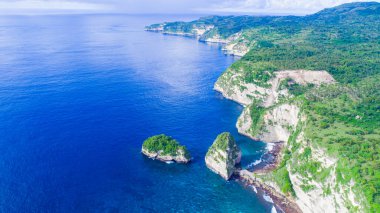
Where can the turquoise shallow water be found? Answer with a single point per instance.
(79, 94)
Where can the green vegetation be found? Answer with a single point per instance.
(224, 141)
(345, 121)
(223, 155)
(281, 176)
(254, 73)
(257, 116)
(344, 42)
(293, 87)
(166, 144)
(344, 118)
(282, 179)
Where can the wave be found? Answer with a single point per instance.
(273, 210)
(254, 189)
(254, 163)
(267, 198)
(270, 146)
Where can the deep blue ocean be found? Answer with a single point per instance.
(78, 96)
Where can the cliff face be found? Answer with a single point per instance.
(271, 116)
(223, 156)
(233, 85)
(319, 191)
(278, 118)
(276, 126)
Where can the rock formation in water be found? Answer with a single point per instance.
(166, 149)
(223, 155)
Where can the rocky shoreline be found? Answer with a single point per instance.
(269, 161)
(282, 202)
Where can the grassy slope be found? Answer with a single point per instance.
(344, 42)
(345, 121)
(342, 119)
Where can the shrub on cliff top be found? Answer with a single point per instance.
(224, 140)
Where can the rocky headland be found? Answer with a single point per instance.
(234, 44)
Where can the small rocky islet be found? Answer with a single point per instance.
(223, 155)
(166, 149)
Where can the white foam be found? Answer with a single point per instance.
(267, 198)
(256, 162)
(270, 146)
(254, 189)
(169, 162)
(273, 210)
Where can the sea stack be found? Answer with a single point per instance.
(166, 149)
(223, 155)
